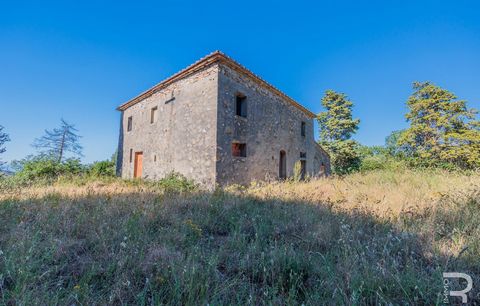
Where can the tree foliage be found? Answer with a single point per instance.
(336, 122)
(56, 143)
(394, 148)
(336, 129)
(442, 128)
(4, 138)
(344, 156)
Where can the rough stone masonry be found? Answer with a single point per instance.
(217, 123)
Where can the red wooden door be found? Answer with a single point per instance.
(137, 170)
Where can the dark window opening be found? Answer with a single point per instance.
(303, 129)
(241, 106)
(153, 114)
(129, 124)
(154, 158)
(282, 171)
(303, 155)
(239, 149)
(131, 154)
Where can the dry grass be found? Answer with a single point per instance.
(374, 238)
(384, 194)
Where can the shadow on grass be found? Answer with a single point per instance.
(216, 248)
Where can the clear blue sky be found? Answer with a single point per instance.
(80, 59)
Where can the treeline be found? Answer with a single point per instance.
(443, 133)
(58, 154)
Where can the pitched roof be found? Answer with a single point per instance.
(215, 57)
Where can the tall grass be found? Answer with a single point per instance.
(372, 238)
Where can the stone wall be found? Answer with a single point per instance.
(321, 162)
(272, 125)
(183, 137)
(196, 124)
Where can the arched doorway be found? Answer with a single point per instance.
(282, 171)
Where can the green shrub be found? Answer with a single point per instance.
(297, 171)
(345, 158)
(381, 162)
(370, 163)
(102, 168)
(175, 183)
(34, 169)
(71, 166)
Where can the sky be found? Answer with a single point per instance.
(79, 60)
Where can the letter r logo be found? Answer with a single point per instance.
(463, 292)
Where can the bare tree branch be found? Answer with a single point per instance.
(57, 142)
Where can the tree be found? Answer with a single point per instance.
(442, 128)
(3, 139)
(336, 129)
(394, 148)
(56, 143)
(336, 123)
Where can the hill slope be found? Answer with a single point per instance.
(380, 237)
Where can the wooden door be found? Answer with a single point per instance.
(137, 170)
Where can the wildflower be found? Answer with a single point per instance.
(77, 287)
(123, 245)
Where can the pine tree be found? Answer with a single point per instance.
(336, 123)
(56, 143)
(442, 128)
(336, 129)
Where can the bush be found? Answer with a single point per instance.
(102, 168)
(71, 166)
(175, 183)
(370, 163)
(297, 171)
(380, 158)
(33, 169)
(345, 157)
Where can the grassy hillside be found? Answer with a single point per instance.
(379, 237)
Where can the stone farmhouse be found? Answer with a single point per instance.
(217, 123)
